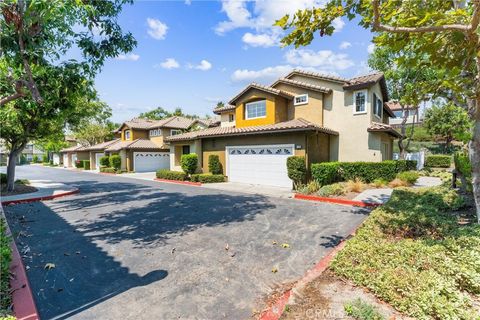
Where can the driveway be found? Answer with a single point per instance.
(137, 249)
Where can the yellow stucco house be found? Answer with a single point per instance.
(323, 118)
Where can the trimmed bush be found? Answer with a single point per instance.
(5, 259)
(115, 162)
(3, 178)
(189, 163)
(44, 158)
(35, 159)
(104, 161)
(207, 178)
(297, 170)
(171, 175)
(78, 164)
(406, 165)
(326, 172)
(23, 159)
(214, 165)
(86, 164)
(107, 170)
(438, 161)
(408, 176)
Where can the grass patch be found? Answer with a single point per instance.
(413, 254)
(361, 310)
(5, 259)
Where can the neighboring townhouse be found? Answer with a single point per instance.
(411, 112)
(323, 118)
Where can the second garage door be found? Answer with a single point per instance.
(150, 161)
(264, 165)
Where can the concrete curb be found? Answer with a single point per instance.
(345, 202)
(275, 311)
(188, 183)
(24, 307)
(34, 199)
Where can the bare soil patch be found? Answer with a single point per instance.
(20, 188)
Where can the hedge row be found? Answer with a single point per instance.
(83, 164)
(207, 178)
(108, 170)
(331, 172)
(438, 161)
(171, 175)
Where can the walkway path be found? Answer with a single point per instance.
(46, 189)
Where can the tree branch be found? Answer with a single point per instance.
(12, 97)
(394, 29)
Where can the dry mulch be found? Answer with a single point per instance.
(19, 189)
(325, 297)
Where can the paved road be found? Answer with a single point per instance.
(136, 249)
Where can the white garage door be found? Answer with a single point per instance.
(65, 160)
(97, 160)
(265, 165)
(150, 161)
(74, 160)
(56, 159)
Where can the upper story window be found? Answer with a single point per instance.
(231, 117)
(126, 134)
(155, 133)
(300, 99)
(401, 114)
(257, 109)
(175, 132)
(360, 101)
(377, 106)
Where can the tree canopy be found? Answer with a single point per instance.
(160, 113)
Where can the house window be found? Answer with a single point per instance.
(300, 99)
(126, 134)
(377, 106)
(257, 109)
(155, 133)
(231, 118)
(360, 100)
(174, 132)
(185, 149)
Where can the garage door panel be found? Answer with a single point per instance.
(264, 165)
(151, 161)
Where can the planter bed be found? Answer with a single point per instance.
(336, 200)
(190, 183)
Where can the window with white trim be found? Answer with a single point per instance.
(300, 99)
(126, 134)
(231, 117)
(155, 133)
(360, 101)
(174, 132)
(257, 109)
(377, 106)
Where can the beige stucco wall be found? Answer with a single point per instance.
(176, 153)
(225, 120)
(92, 159)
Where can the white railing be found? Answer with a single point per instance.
(417, 156)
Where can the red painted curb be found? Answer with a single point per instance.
(24, 307)
(276, 310)
(190, 183)
(335, 200)
(6, 203)
(107, 173)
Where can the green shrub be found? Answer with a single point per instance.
(406, 165)
(115, 162)
(45, 158)
(86, 164)
(78, 164)
(326, 172)
(108, 170)
(207, 178)
(104, 161)
(409, 176)
(214, 164)
(309, 188)
(3, 178)
(361, 310)
(189, 163)
(464, 167)
(171, 175)
(297, 170)
(335, 189)
(23, 159)
(5, 259)
(35, 159)
(438, 161)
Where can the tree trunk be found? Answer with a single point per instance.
(12, 162)
(474, 153)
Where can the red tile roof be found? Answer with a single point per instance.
(101, 146)
(225, 108)
(395, 106)
(262, 88)
(302, 84)
(383, 127)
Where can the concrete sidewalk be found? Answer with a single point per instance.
(46, 189)
(268, 191)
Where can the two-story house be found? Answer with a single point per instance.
(411, 113)
(320, 117)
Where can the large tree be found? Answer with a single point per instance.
(41, 90)
(160, 113)
(439, 34)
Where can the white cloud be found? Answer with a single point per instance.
(371, 48)
(325, 59)
(169, 63)
(260, 40)
(345, 45)
(156, 29)
(204, 66)
(338, 24)
(188, 2)
(130, 57)
(237, 14)
(266, 74)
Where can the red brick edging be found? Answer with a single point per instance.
(190, 183)
(335, 200)
(53, 196)
(275, 311)
(24, 307)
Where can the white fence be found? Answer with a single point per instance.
(417, 156)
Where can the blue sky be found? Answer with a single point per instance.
(193, 54)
